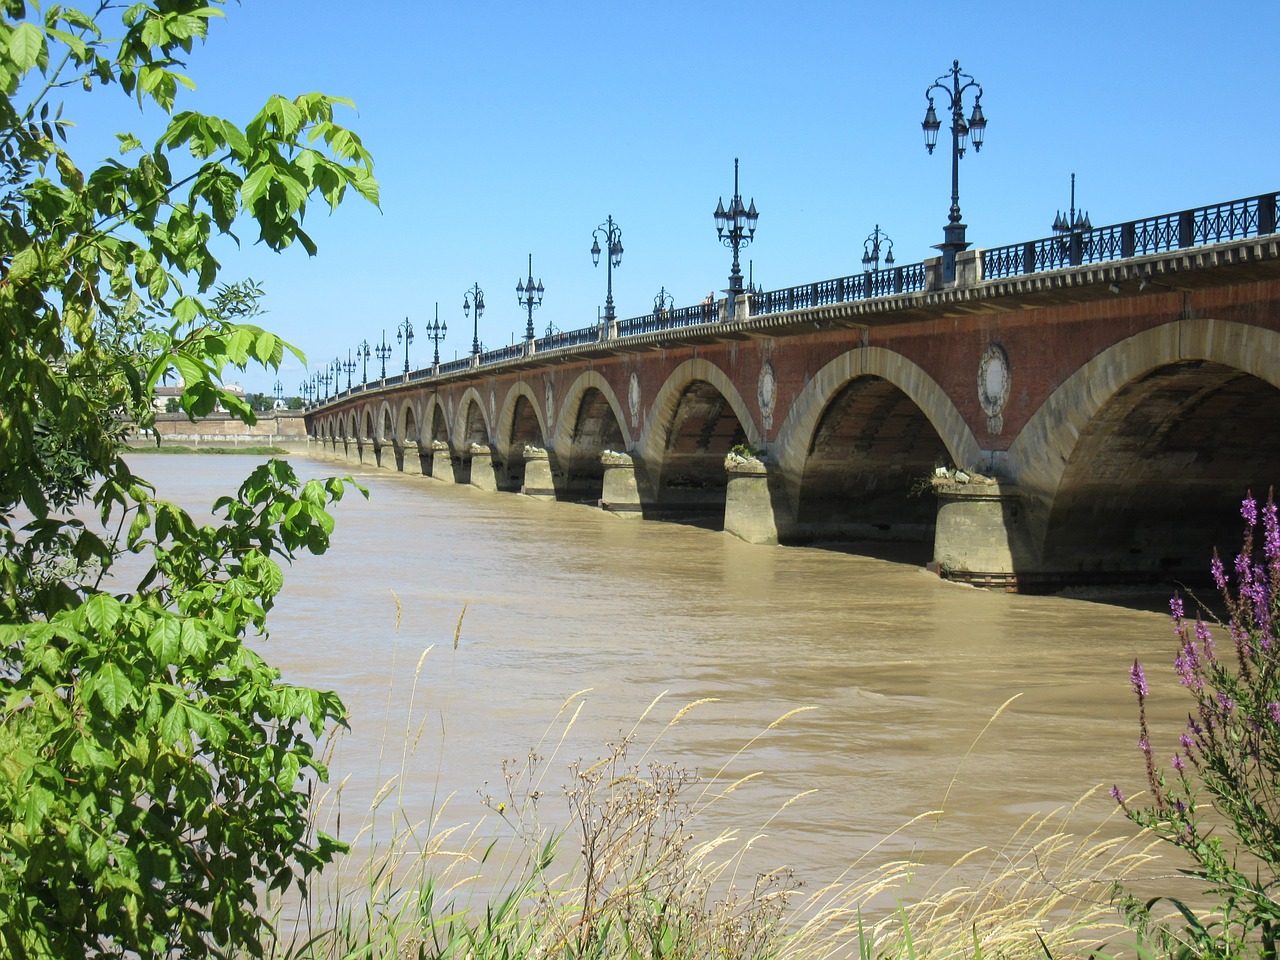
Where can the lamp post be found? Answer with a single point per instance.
(405, 332)
(662, 304)
(613, 241)
(362, 351)
(350, 367)
(279, 390)
(304, 390)
(1071, 229)
(383, 350)
(474, 297)
(435, 333)
(336, 367)
(961, 132)
(871, 250)
(323, 380)
(529, 297)
(736, 227)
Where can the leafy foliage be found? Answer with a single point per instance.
(153, 767)
(1221, 801)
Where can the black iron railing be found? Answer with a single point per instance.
(1219, 223)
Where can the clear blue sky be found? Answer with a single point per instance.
(503, 129)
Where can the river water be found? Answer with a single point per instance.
(900, 672)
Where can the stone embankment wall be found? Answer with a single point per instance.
(278, 428)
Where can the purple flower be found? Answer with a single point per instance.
(1186, 741)
(1273, 709)
(1271, 539)
(1175, 608)
(1226, 702)
(1116, 795)
(1205, 637)
(1144, 744)
(1177, 763)
(1137, 679)
(1219, 575)
(1249, 510)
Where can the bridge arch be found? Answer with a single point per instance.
(521, 421)
(859, 442)
(472, 423)
(406, 431)
(590, 421)
(696, 418)
(1136, 464)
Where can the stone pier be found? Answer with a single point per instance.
(620, 495)
(538, 482)
(483, 475)
(982, 533)
(756, 508)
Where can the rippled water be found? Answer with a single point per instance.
(902, 671)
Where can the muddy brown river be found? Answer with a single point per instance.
(897, 672)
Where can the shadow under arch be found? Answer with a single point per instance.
(1134, 468)
(696, 418)
(521, 424)
(589, 423)
(858, 447)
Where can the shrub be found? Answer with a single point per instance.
(1218, 800)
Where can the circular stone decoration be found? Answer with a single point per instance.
(767, 392)
(993, 380)
(633, 395)
(551, 412)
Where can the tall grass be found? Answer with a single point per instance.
(620, 857)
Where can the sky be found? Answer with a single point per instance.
(501, 130)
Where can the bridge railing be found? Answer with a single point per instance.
(1218, 223)
(699, 313)
(912, 278)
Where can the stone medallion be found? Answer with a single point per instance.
(550, 409)
(633, 399)
(493, 405)
(767, 394)
(993, 385)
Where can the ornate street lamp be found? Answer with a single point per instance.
(871, 250)
(405, 332)
(362, 351)
(336, 367)
(529, 297)
(350, 367)
(613, 241)
(304, 390)
(435, 333)
(474, 297)
(662, 304)
(1076, 221)
(383, 351)
(324, 379)
(279, 390)
(736, 227)
(961, 132)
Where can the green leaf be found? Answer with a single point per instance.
(102, 613)
(112, 689)
(27, 45)
(25, 262)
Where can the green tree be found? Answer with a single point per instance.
(153, 768)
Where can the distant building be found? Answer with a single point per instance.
(165, 392)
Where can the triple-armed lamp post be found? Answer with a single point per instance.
(435, 333)
(350, 367)
(529, 297)
(613, 243)
(871, 250)
(962, 132)
(362, 351)
(383, 351)
(405, 332)
(663, 303)
(474, 298)
(736, 227)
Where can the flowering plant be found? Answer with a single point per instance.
(1220, 803)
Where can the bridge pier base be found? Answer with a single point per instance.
(410, 459)
(537, 475)
(483, 475)
(619, 494)
(756, 508)
(981, 535)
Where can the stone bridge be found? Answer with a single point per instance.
(1088, 408)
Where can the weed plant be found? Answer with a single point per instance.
(620, 858)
